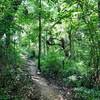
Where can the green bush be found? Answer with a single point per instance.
(86, 94)
(14, 83)
(52, 65)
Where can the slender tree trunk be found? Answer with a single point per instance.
(40, 33)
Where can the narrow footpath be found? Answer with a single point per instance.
(48, 91)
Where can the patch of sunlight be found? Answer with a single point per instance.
(45, 4)
(81, 67)
(80, 63)
(73, 78)
(30, 9)
(60, 28)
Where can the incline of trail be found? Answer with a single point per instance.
(48, 91)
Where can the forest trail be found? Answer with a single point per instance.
(48, 91)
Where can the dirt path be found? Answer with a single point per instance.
(48, 91)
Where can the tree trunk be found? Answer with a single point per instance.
(40, 33)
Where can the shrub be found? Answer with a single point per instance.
(86, 94)
(16, 84)
(52, 65)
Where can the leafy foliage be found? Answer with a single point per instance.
(63, 34)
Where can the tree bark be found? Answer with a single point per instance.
(40, 33)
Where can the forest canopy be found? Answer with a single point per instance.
(62, 37)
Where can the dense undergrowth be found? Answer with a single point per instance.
(15, 80)
(62, 35)
(70, 75)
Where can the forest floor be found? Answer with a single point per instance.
(48, 90)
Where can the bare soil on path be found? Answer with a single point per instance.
(48, 91)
